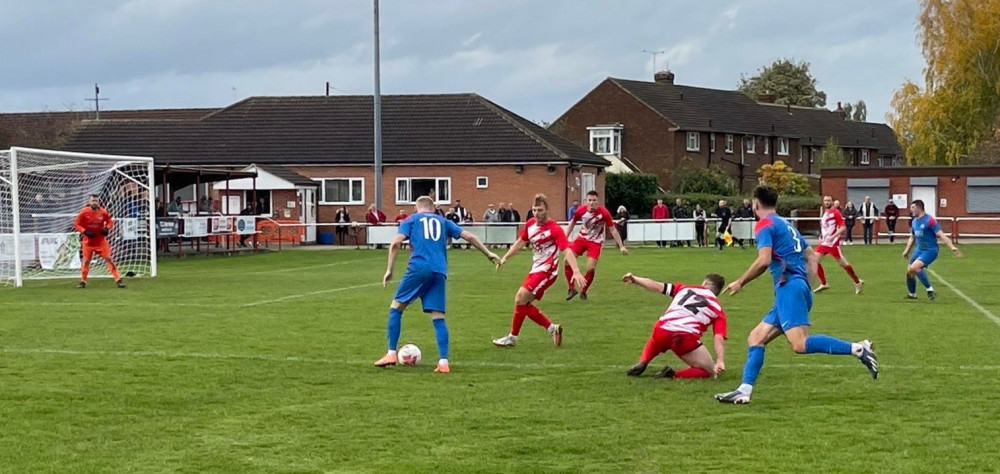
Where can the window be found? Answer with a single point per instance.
(767, 145)
(864, 157)
(783, 146)
(409, 189)
(605, 140)
(751, 144)
(341, 190)
(482, 182)
(729, 143)
(982, 195)
(263, 205)
(694, 141)
(711, 142)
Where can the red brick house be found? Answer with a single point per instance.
(317, 153)
(659, 127)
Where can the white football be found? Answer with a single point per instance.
(409, 354)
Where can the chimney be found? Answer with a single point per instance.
(767, 98)
(664, 77)
(839, 107)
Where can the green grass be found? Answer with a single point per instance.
(176, 374)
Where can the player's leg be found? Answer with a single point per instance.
(105, 252)
(593, 254)
(760, 336)
(88, 255)
(700, 364)
(578, 246)
(838, 254)
(409, 289)
(821, 251)
(522, 306)
(433, 301)
(925, 259)
(658, 343)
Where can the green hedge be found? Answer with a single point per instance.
(710, 201)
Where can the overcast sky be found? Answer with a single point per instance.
(535, 57)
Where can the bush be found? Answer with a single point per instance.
(784, 178)
(710, 201)
(630, 190)
(711, 180)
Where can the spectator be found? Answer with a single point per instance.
(725, 216)
(572, 210)
(343, 218)
(162, 244)
(515, 216)
(401, 216)
(850, 216)
(247, 211)
(504, 214)
(468, 218)
(660, 213)
(461, 211)
(439, 211)
(451, 215)
(491, 215)
(375, 217)
(205, 205)
(744, 212)
(621, 222)
(891, 215)
(869, 214)
(529, 215)
(836, 203)
(680, 212)
(700, 218)
(175, 208)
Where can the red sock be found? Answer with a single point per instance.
(650, 351)
(83, 272)
(692, 373)
(850, 271)
(821, 274)
(536, 315)
(590, 279)
(518, 321)
(114, 270)
(569, 275)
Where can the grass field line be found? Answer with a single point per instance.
(457, 363)
(958, 292)
(311, 293)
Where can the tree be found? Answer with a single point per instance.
(860, 112)
(833, 155)
(783, 178)
(956, 108)
(630, 190)
(711, 180)
(790, 82)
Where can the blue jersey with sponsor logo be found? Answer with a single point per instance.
(428, 234)
(788, 248)
(924, 230)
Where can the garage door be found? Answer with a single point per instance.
(878, 189)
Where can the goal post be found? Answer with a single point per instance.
(41, 193)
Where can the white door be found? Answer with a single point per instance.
(586, 186)
(307, 210)
(928, 194)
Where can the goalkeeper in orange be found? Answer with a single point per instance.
(95, 223)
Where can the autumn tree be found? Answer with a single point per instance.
(789, 82)
(832, 155)
(784, 179)
(944, 120)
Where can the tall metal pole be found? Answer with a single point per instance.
(378, 120)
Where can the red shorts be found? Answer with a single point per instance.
(679, 342)
(831, 251)
(581, 245)
(537, 283)
(100, 247)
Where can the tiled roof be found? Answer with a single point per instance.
(448, 128)
(289, 175)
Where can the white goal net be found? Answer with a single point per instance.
(41, 193)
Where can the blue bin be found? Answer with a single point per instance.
(325, 238)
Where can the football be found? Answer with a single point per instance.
(409, 354)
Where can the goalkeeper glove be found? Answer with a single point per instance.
(105, 231)
(89, 233)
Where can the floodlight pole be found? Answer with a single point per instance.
(378, 120)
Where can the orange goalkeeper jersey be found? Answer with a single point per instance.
(94, 221)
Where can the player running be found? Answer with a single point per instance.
(832, 230)
(691, 311)
(546, 239)
(95, 223)
(426, 275)
(781, 248)
(924, 230)
(594, 218)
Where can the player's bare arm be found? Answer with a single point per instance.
(757, 268)
(393, 251)
(812, 263)
(618, 240)
(951, 245)
(472, 239)
(649, 284)
(514, 249)
(572, 225)
(909, 245)
(720, 351)
(571, 260)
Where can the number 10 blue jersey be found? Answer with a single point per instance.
(428, 234)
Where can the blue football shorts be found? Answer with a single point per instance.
(427, 285)
(926, 256)
(792, 302)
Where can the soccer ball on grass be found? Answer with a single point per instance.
(409, 354)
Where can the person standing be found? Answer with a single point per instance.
(621, 222)
(95, 223)
(249, 211)
(891, 215)
(725, 216)
(342, 219)
(401, 216)
(850, 215)
(700, 218)
(514, 215)
(491, 215)
(376, 217)
(460, 210)
(572, 210)
(680, 212)
(924, 231)
(869, 214)
(660, 213)
(594, 220)
(832, 230)
(744, 212)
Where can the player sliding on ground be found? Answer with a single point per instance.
(546, 239)
(594, 219)
(426, 275)
(691, 311)
(832, 230)
(781, 248)
(95, 223)
(924, 230)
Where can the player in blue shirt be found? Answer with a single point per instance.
(425, 276)
(924, 230)
(782, 250)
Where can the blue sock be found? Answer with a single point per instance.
(922, 275)
(911, 284)
(819, 343)
(755, 360)
(393, 327)
(441, 333)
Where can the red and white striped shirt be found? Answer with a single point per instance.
(692, 310)
(546, 241)
(832, 220)
(593, 223)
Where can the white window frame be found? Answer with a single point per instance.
(613, 135)
(729, 143)
(693, 141)
(782, 146)
(752, 145)
(352, 182)
(865, 158)
(711, 142)
(482, 182)
(409, 188)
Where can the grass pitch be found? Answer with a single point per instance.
(263, 364)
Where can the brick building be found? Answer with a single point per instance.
(316, 153)
(659, 127)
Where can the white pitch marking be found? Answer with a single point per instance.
(981, 309)
(311, 293)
